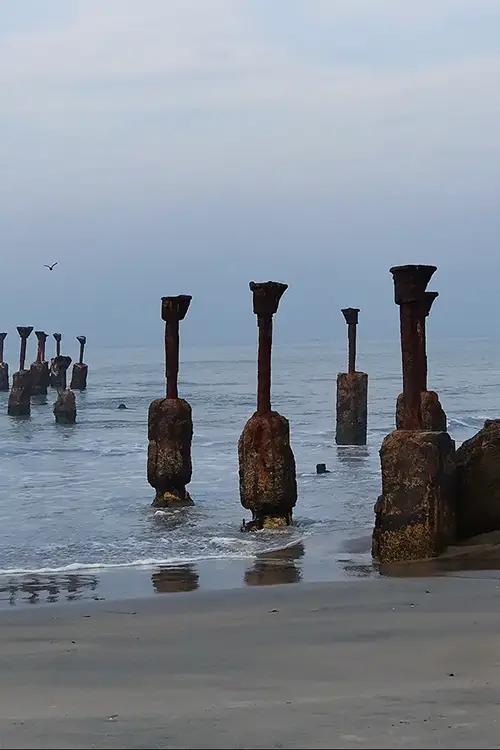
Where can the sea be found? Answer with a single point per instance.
(75, 505)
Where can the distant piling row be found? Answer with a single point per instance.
(36, 380)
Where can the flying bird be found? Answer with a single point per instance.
(51, 266)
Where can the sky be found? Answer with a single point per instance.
(191, 146)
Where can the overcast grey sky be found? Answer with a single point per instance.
(189, 146)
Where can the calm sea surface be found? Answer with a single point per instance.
(76, 498)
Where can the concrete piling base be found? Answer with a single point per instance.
(478, 482)
(39, 378)
(58, 368)
(352, 408)
(432, 415)
(268, 484)
(65, 407)
(170, 432)
(416, 513)
(19, 404)
(79, 376)
(4, 376)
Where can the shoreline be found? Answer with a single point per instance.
(306, 562)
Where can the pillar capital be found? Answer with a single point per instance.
(410, 282)
(266, 296)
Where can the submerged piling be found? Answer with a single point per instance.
(80, 369)
(4, 367)
(19, 404)
(170, 424)
(58, 366)
(268, 485)
(352, 392)
(415, 517)
(40, 368)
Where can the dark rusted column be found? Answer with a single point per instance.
(268, 485)
(417, 408)
(58, 337)
(4, 367)
(40, 369)
(80, 369)
(19, 397)
(351, 318)
(352, 392)
(170, 424)
(415, 517)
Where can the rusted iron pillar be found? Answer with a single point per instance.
(417, 408)
(415, 517)
(352, 392)
(4, 367)
(58, 337)
(170, 424)
(40, 368)
(268, 485)
(80, 369)
(351, 318)
(174, 309)
(19, 397)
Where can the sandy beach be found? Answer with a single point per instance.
(362, 663)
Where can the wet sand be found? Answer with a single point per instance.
(362, 663)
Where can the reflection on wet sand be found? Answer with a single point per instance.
(35, 589)
(276, 567)
(175, 579)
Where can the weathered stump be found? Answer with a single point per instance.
(65, 407)
(170, 432)
(58, 369)
(431, 414)
(416, 513)
(478, 482)
(352, 408)
(4, 376)
(268, 485)
(39, 378)
(79, 377)
(19, 404)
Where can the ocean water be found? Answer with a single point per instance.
(75, 498)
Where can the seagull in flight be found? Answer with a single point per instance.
(51, 266)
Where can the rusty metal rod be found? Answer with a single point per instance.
(2, 339)
(351, 318)
(265, 324)
(42, 337)
(82, 340)
(172, 357)
(24, 332)
(58, 337)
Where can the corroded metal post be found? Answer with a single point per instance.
(4, 367)
(80, 369)
(268, 485)
(173, 310)
(415, 517)
(19, 397)
(40, 368)
(58, 337)
(352, 392)
(417, 408)
(351, 318)
(170, 424)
